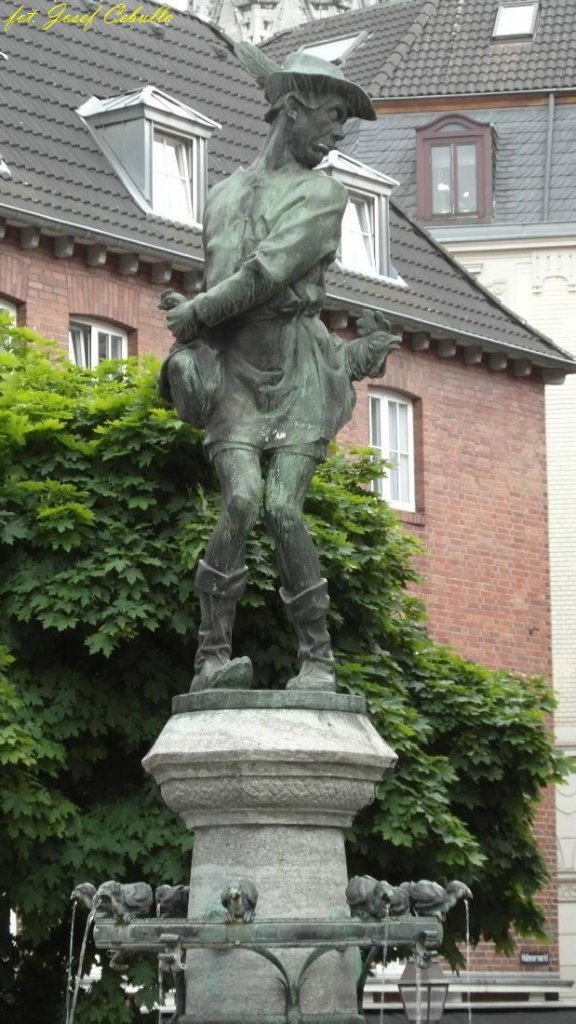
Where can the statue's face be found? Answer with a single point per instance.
(315, 131)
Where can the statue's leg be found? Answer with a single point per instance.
(221, 575)
(304, 592)
(241, 485)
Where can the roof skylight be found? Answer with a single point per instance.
(513, 20)
(334, 49)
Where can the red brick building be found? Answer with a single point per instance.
(89, 244)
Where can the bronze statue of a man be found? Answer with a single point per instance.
(254, 364)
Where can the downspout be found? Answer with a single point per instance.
(548, 165)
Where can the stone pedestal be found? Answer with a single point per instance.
(268, 781)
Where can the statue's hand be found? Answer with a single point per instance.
(367, 355)
(181, 318)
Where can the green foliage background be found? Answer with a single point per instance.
(107, 503)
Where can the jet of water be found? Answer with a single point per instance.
(384, 958)
(71, 1006)
(418, 992)
(468, 996)
(70, 961)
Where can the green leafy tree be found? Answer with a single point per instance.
(107, 504)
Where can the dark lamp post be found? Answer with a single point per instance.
(423, 999)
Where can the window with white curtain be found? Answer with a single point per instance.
(172, 182)
(392, 437)
(364, 245)
(454, 169)
(454, 179)
(365, 237)
(91, 342)
(359, 234)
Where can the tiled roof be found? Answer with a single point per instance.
(365, 61)
(62, 180)
(445, 47)
(520, 141)
(440, 299)
(58, 170)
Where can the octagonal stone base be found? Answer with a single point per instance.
(269, 781)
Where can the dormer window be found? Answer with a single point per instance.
(365, 244)
(157, 146)
(515, 21)
(454, 169)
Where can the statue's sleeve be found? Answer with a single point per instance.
(305, 231)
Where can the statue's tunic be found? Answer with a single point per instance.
(268, 239)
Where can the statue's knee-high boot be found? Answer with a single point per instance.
(307, 612)
(219, 594)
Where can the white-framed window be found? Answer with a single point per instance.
(91, 342)
(364, 235)
(173, 191)
(8, 307)
(392, 437)
(513, 20)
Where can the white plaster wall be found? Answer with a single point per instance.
(539, 283)
(566, 818)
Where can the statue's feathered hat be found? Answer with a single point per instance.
(303, 71)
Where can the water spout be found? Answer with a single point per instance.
(71, 1007)
(70, 961)
(418, 992)
(468, 995)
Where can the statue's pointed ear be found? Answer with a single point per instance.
(292, 106)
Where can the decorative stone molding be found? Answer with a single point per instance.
(497, 361)
(447, 348)
(96, 255)
(567, 892)
(268, 765)
(160, 273)
(561, 263)
(496, 287)
(338, 319)
(63, 246)
(522, 367)
(192, 280)
(229, 798)
(29, 238)
(472, 355)
(128, 263)
(420, 341)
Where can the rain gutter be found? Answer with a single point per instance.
(442, 331)
(88, 235)
(548, 165)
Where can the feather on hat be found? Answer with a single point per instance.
(302, 70)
